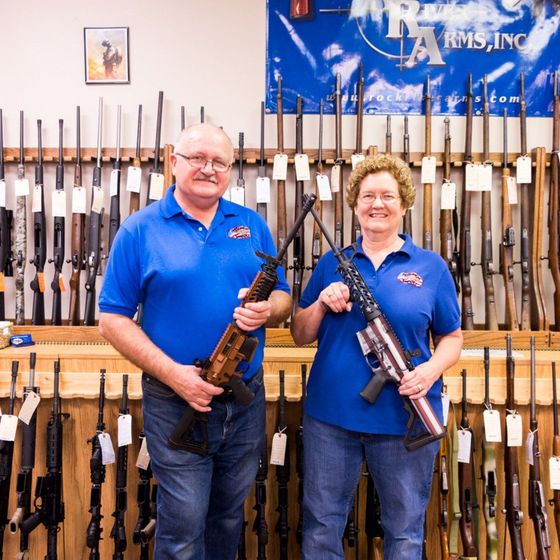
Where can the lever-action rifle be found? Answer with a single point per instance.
(235, 345)
(554, 203)
(379, 339)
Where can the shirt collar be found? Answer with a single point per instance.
(407, 248)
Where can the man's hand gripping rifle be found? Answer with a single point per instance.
(378, 340)
(235, 346)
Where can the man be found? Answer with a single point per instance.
(188, 259)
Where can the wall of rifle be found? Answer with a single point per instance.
(70, 431)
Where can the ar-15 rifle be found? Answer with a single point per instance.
(261, 172)
(427, 227)
(59, 213)
(118, 532)
(317, 239)
(282, 216)
(338, 181)
(97, 477)
(155, 182)
(6, 455)
(554, 203)
(235, 346)
(407, 218)
(467, 315)
(555, 500)
(134, 178)
(21, 228)
(49, 507)
(467, 491)
(537, 502)
(260, 526)
(115, 188)
(4, 228)
(39, 238)
(358, 155)
(508, 241)
(514, 515)
(299, 455)
(25, 475)
(379, 339)
(78, 231)
(488, 470)
(95, 225)
(283, 475)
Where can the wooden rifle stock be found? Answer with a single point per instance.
(427, 225)
(555, 500)
(282, 216)
(554, 204)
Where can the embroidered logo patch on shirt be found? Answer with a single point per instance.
(412, 278)
(239, 232)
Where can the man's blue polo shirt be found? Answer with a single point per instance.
(185, 276)
(415, 291)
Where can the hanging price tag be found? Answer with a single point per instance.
(356, 160)
(554, 472)
(143, 459)
(324, 187)
(237, 195)
(278, 451)
(107, 451)
(492, 426)
(445, 407)
(514, 430)
(301, 162)
(97, 202)
(58, 203)
(485, 177)
(263, 190)
(37, 199)
(465, 439)
(124, 430)
(428, 173)
(471, 177)
(8, 427)
(336, 174)
(133, 179)
(157, 182)
(78, 200)
(524, 170)
(280, 167)
(2, 193)
(448, 196)
(114, 184)
(512, 190)
(22, 187)
(29, 407)
(529, 447)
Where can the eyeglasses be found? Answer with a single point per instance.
(200, 163)
(386, 198)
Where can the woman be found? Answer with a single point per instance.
(416, 293)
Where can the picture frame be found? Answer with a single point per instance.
(106, 55)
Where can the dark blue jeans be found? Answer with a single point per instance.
(200, 499)
(332, 464)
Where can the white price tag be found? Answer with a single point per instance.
(237, 195)
(280, 167)
(8, 427)
(465, 439)
(357, 159)
(78, 200)
(554, 472)
(97, 201)
(336, 176)
(529, 447)
(445, 402)
(428, 173)
(22, 187)
(3, 193)
(157, 182)
(263, 190)
(143, 459)
(302, 167)
(448, 196)
(59, 203)
(524, 169)
(485, 177)
(107, 451)
(512, 190)
(324, 187)
(37, 199)
(124, 430)
(133, 179)
(29, 407)
(514, 426)
(492, 426)
(471, 177)
(278, 450)
(226, 195)
(114, 184)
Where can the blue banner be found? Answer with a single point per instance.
(399, 43)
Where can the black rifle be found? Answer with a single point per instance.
(317, 239)
(97, 477)
(282, 217)
(58, 234)
(21, 233)
(283, 476)
(241, 157)
(514, 514)
(49, 507)
(234, 346)
(115, 208)
(537, 501)
(25, 475)
(202, 119)
(379, 339)
(261, 173)
(95, 225)
(359, 133)
(144, 507)
(118, 532)
(4, 228)
(183, 118)
(6, 455)
(148, 532)
(260, 526)
(299, 455)
(338, 190)
(373, 527)
(134, 202)
(156, 170)
(39, 238)
(242, 546)
(407, 218)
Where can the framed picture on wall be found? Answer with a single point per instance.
(106, 55)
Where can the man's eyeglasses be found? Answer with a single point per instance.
(386, 198)
(200, 163)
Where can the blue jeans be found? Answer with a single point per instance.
(332, 466)
(200, 499)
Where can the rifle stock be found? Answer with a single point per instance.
(555, 500)
(554, 204)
